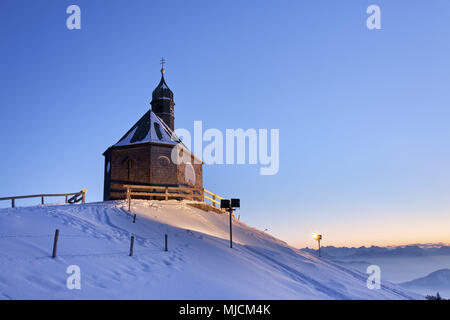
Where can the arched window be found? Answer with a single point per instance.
(129, 164)
(163, 161)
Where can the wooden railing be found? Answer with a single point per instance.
(162, 192)
(166, 193)
(215, 198)
(76, 197)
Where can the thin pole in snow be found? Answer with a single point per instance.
(231, 227)
(134, 218)
(166, 242)
(55, 243)
(131, 246)
(319, 247)
(317, 237)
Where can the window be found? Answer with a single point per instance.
(129, 164)
(163, 161)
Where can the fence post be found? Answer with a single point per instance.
(13, 203)
(131, 246)
(42, 199)
(214, 198)
(129, 199)
(167, 193)
(134, 218)
(83, 198)
(166, 242)
(67, 198)
(55, 243)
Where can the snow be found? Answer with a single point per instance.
(151, 136)
(127, 139)
(166, 138)
(198, 265)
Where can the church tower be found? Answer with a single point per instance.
(162, 101)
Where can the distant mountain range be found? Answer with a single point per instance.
(416, 250)
(438, 281)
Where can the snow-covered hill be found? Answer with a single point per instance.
(198, 265)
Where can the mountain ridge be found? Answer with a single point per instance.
(415, 250)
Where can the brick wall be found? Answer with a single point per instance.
(163, 170)
(140, 157)
(185, 174)
(151, 165)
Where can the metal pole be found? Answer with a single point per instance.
(231, 227)
(319, 246)
(166, 238)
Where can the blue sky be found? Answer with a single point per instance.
(363, 114)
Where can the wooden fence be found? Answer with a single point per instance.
(215, 200)
(166, 193)
(75, 197)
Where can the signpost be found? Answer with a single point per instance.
(230, 206)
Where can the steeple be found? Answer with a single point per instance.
(162, 100)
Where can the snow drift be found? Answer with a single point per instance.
(198, 265)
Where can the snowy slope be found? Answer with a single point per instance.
(198, 265)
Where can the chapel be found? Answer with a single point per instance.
(144, 156)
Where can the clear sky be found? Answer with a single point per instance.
(363, 114)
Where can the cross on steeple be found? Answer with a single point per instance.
(162, 62)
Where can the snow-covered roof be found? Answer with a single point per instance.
(150, 128)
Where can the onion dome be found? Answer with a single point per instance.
(162, 91)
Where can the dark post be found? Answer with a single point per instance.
(167, 246)
(318, 237)
(55, 243)
(231, 227)
(134, 218)
(319, 247)
(67, 198)
(131, 246)
(42, 199)
(13, 203)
